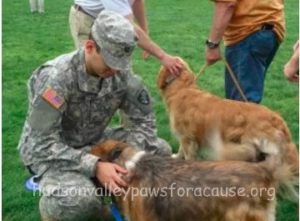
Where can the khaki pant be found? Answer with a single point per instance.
(37, 5)
(80, 26)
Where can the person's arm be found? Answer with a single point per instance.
(47, 103)
(138, 9)
(223, 12)
(291, 68)
(46, 143)
(137, 105)
(172, 63)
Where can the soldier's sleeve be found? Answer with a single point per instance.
(44, 118)
(138, 109)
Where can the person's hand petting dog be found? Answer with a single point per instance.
(172, 63)
(109, 175)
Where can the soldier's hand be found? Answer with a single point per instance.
(109, 175)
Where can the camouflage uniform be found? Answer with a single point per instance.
(69, 111)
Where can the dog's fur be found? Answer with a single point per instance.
(200, 119)
(153, 172)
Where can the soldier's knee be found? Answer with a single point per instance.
(164, 148)
(67, 207)
(64, 201)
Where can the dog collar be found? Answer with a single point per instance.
(115, 212)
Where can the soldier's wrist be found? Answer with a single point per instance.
(88, 164)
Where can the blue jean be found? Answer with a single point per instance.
(249, 59)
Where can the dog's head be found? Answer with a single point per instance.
(166, 79)
(113, 151)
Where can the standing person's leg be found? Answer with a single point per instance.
(33, 5)
(249, 60)
(41, 6)
(68, 196)
(80, 26)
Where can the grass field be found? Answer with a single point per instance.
(179, 26)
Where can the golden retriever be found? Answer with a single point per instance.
(168, 189)
(200, 119)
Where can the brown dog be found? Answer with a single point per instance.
(200, 119)
(167, 189)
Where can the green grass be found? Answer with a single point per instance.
(180, 27)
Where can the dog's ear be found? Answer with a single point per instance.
(98, 150)
(108, 150)
(115, 153)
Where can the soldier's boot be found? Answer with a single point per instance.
(48, 219)
(44, 215)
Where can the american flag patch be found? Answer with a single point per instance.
(53, 98)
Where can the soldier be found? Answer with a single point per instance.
(71, 101)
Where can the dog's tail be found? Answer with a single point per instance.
(281, 171)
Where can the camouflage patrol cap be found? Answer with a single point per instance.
(115, 36)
